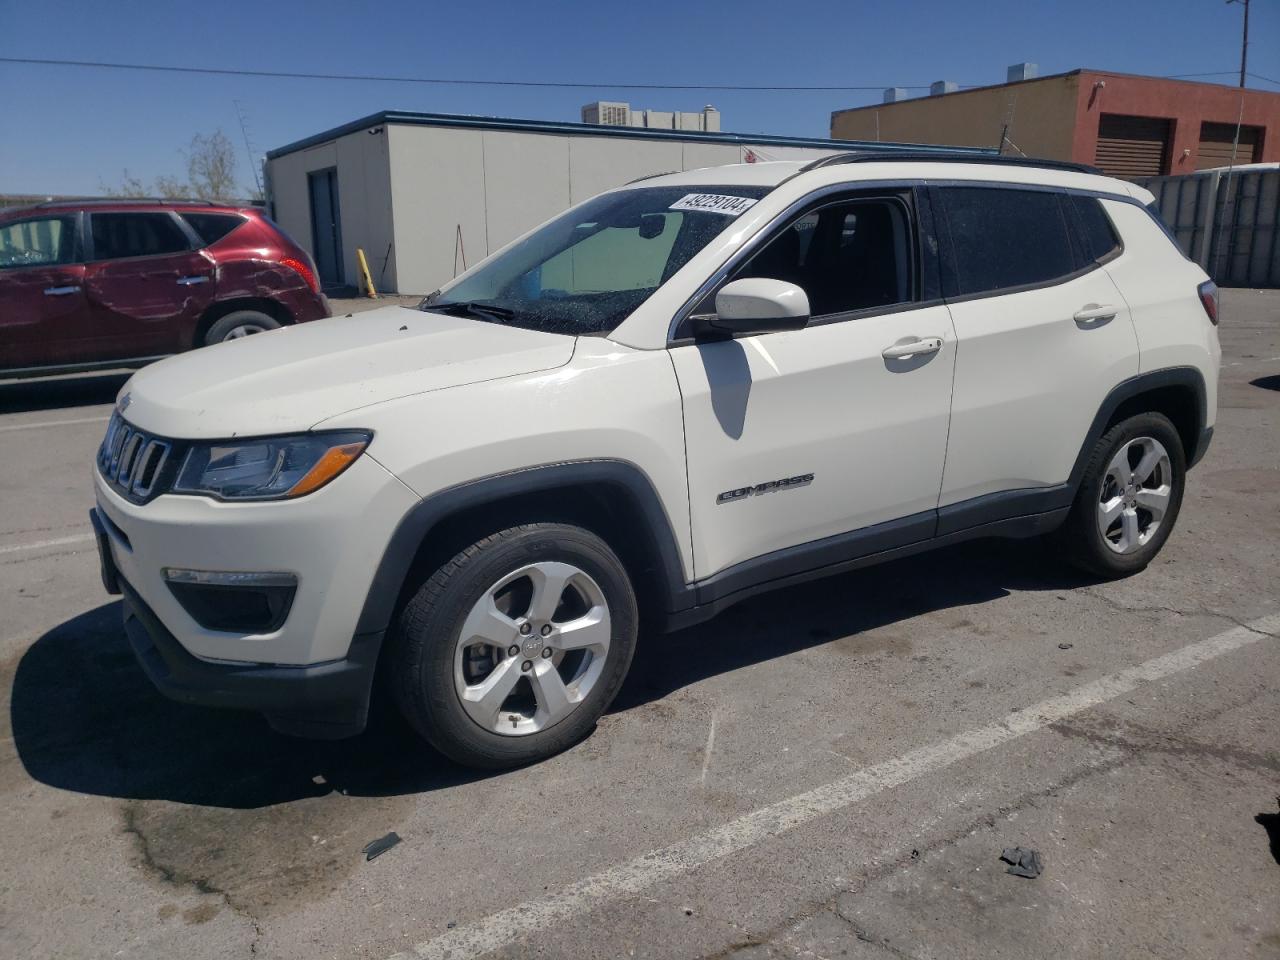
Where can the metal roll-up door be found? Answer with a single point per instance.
(1132, 146)
(1216, 140)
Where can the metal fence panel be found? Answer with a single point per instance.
(1226, 222)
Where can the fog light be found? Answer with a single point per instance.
(231, 601)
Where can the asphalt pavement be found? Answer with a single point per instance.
(829, 771)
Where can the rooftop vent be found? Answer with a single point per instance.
(894, 94)
(1022, 71)
(943, 86)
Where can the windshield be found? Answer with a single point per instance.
(585, 272)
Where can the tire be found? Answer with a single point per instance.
(437, 674)
(1135, 532)
(240, 323)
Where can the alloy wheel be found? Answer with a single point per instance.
(532, 648)
(1136, 492)
(244, 330)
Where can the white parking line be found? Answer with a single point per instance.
(40, 544)
(504, 928)
(53, 423)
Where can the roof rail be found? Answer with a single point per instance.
(97, 201)
(650, 176)
(909, 156)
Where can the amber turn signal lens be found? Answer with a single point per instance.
(334, 461)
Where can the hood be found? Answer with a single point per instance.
(293, 378)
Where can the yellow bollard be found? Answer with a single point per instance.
(370, 291)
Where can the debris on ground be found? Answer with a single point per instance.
(380, 846)
(1065, 646)
(1025, 863)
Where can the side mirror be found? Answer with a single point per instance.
(759, 305)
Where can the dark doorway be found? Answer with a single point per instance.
(326, 226)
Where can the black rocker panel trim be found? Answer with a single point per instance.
(1028, 526)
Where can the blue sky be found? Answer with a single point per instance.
(68, 130)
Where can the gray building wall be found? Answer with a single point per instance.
(495, 185)
(364, 198)
(443, 196)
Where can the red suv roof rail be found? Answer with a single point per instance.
(97, 201)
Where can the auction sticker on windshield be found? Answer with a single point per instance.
(714, 203)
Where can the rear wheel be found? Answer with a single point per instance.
(241, 323)
(512, 650)
(1128, 499)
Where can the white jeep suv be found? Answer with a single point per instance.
(677, 394)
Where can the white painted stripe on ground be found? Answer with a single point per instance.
(53, 423)
(501, 929)
(41, 544)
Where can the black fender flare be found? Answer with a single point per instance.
(1188, 377)
(622, 478)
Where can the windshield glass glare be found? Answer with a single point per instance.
(585, 272)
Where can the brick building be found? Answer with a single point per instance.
(1129, 126)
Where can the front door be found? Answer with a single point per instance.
(799, 436)
(147, 288)
(326, 226)
(43, 319)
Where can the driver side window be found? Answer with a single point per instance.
(848, 256)
(38, 242)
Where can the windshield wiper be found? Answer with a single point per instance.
(472, 308)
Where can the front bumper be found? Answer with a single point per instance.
(331, 541)
(312, 674)
(323, 700)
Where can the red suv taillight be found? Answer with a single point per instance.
(307, 274)
(1209, 298)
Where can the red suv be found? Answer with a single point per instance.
(98, 284)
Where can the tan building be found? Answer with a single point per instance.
(1129, 126)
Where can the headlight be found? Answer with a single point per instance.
(268, 468)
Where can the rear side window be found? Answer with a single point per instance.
(1098, 238)
(212, 227)
(41, 241)
(120, 235)
(1005, 238)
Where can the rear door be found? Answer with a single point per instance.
(146, 286)
(43, 315)
(797, 436)
(1044, 334)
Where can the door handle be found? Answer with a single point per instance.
(1095, 313)
(190, 281)
(912, 348)
(61, 291)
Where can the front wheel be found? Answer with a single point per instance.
(514, 648)
(1128, 499)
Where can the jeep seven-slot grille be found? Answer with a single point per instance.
(137, 464)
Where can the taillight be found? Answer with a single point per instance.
(307, 274)
(1209, 298)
